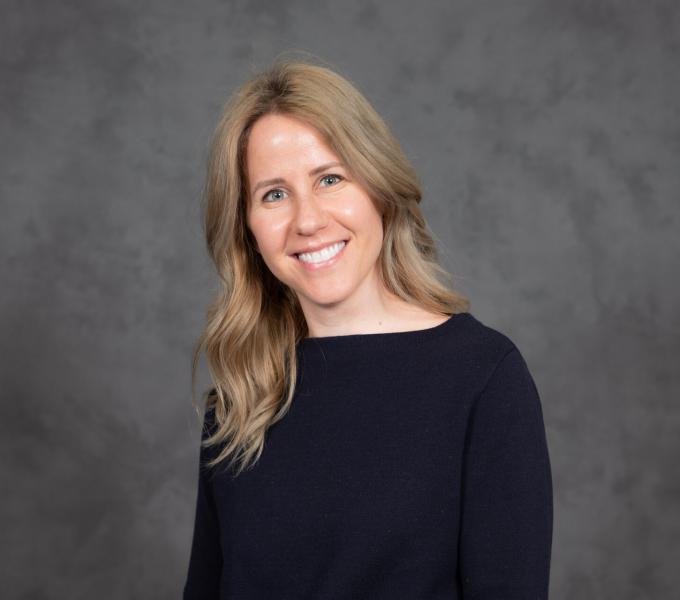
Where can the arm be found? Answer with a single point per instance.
(205, 564)
(507, 504)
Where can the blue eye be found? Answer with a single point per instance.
(338, 177)
(277, 191)
(269, 196)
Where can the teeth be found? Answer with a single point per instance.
(322, 255)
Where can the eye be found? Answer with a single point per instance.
(332, 176)
(275, 191)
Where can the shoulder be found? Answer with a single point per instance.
(504, 384)
(484, 347)
(482, 335)
(478, 354)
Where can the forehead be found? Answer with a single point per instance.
(278, 140)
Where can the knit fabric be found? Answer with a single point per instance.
(411, 465)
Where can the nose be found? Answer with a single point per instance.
(310, 215)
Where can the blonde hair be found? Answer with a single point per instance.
(255, 322)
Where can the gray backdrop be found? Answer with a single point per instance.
(547, 135)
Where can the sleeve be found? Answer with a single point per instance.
(205, 563)
(507, 500)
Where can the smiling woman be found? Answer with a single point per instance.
(405, 452)
(322, 235)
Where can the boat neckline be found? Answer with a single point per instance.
(387, 337)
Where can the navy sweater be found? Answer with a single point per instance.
(411, 465)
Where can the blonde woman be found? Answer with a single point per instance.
(366, 436)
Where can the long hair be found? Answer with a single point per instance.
(255, 322)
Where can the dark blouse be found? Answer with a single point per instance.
(411, 465)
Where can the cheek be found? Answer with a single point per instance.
(375, 224)
(250, 234)
(270, 240)
(359, 210)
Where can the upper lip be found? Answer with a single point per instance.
(317, 247)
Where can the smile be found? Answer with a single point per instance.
(324, 257)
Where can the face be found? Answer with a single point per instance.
(316, 229)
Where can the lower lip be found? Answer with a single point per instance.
(325, 264)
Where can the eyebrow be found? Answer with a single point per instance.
(278, 180)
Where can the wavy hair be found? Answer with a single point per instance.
(255, 322)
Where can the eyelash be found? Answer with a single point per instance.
(338, 177)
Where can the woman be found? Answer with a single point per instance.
(366, 436)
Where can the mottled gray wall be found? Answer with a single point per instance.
(547, 135)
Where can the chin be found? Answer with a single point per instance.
(325, 298)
